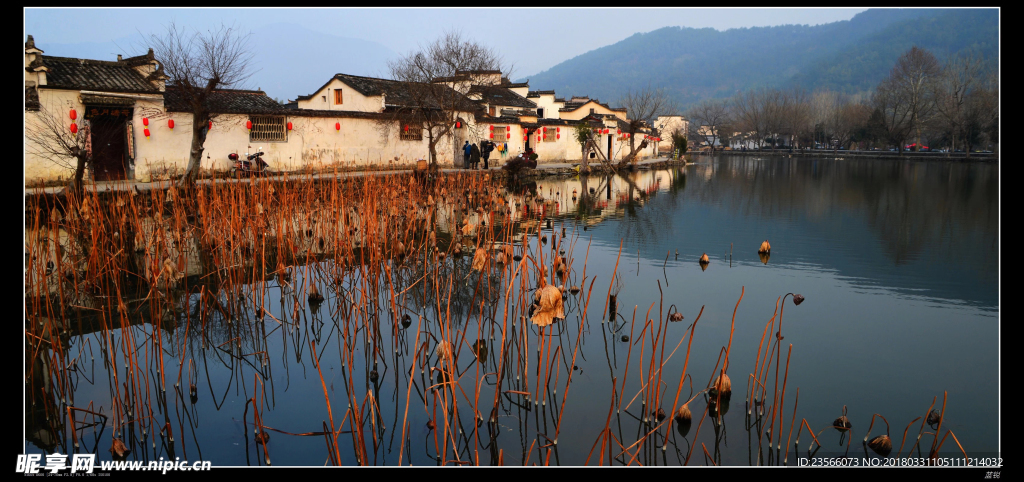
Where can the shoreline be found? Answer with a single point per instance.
(840, 155)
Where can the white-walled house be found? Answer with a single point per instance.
(667, 124)
(140, 126)
(110, 97)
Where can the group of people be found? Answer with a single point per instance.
(473, 153)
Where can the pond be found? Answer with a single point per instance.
(187, 326)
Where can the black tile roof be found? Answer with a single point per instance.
(100, 75)
(346, 114)
(573, 105)
(501, 96)
(395, 92)
(484, 119)
(227, 101)
(465, 75)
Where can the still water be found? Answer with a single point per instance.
(898, 262)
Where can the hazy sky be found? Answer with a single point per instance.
(533, 39)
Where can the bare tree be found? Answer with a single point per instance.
(825, 107)
(913, 75)
(199, 63)
(837, 116)
(642, 107)
(795, 114)
(851, 117)
(48, 136)
(710, 116)
(957, 79)
(583, 135)
(981, 116)
(754, 112)
(895, 120)
(427, 92)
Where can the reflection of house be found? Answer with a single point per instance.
(338, 124)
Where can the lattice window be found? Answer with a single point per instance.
(268, 129)
(550, 135)
(499, 134)
(337, 97)
(411, 132)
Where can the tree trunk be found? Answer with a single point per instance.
(74, 186)
(195, 157)
(432, 147)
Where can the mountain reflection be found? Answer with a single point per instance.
(913, 226)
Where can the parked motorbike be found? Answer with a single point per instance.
(252, 165)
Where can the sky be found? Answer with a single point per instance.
(530, 39)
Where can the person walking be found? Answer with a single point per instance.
(485, 151)
(474, 156)
(466, 151)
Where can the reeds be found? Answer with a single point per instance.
(268, 281)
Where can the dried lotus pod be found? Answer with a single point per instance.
(881, 445)
(722, 384)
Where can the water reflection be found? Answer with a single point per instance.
(253, 346)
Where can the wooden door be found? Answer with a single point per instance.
(108, 133)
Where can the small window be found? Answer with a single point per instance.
(500, 133)
(337, 97)
(267, 128)
(411, 133)
(540, 113)
(549, 134)
(491, 111)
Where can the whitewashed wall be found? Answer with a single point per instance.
(351, 99)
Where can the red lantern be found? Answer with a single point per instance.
(545, 129)
(74, 114)
(524, 138)
(508, 135)
(619, 131)
(248, 124)
(146, 132)
(289, 126)
(492, 127)
(458, 125)
(558, 136)
(606, 131)
(210, 126)
(406, 127)
(74, 128)
(170, 123)
(492, 135)
(145, 121)
(558, 129)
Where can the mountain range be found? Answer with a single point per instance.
(850, 56)
(690, 64)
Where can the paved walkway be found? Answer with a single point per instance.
(143, 186)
